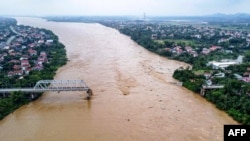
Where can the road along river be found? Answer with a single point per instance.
(134, 99)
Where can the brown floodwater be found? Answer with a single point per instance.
(134, 95)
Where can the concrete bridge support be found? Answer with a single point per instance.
(202, 93)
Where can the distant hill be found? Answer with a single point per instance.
(212, 19)
(228, 18)
(243, 15)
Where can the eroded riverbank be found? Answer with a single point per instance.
(134, 98)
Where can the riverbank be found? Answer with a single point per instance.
(134, 98)
(24, 61)
(182, 46)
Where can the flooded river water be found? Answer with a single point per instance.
(134, 98)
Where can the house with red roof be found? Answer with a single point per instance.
(25, 64)
(32, 52)
(214, 48)
(17, 67)
(188, 49)
(205, 51)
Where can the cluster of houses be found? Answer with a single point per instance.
(19, 50)
(201, 32)
(23, 67)
(245, 77)
(161, 31)
(179, 50)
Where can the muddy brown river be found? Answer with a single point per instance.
(134, 95)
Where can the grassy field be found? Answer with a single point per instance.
(202, 72)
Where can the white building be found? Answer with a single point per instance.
(225, 63)
(222, 65)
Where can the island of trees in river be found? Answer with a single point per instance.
(27, 55)
(217, 49)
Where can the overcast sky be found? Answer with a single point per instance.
(123, 7)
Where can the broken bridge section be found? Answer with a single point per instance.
(207, 87)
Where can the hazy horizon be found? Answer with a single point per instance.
(122, 8)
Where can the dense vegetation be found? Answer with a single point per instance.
(56, 54)
(234, 97)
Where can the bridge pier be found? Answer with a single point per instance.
(4, 95)
(32, 96)
(202, 93)
(89, 94)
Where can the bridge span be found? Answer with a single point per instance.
(53, 85)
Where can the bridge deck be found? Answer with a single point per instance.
(51, 85)
(32, 90)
